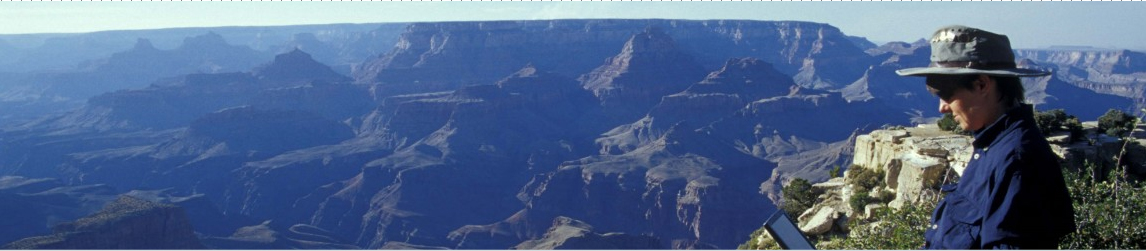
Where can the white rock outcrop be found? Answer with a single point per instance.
(913, 159)
(820, 222)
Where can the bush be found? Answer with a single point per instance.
(1116, 123)
(887, 228)
(859, 201)
(1109, 213)
(948, 123)
(1051, 121)
(1075, 128)
(1057, 120)
(835, 172)
(798, 197)
(864, 179)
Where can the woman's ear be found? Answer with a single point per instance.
(983, 83)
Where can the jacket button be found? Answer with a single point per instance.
(976, 156)
(933, 226)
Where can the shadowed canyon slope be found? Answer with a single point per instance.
(479, 135)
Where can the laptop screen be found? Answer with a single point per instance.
(785, 232)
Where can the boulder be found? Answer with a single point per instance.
(820, 222)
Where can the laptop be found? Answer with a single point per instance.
(786, 233)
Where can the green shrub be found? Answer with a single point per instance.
(1051, 121)
(1075, 128)
(860, 200)
(798, 197)
(1110, 212)
(864, 179)
(883, 196)
(887, 228)
(1057, 120)
(835, 172)
(1116, 123)
(948, 123)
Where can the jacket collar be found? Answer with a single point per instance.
(986, 136)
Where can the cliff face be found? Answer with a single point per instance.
(915, 159)
(127, 223)
(1117, 72)
(33, 205)
(649, 67)
(481, 52)
(687, 198)
(1117, 62)
(173, 102)
(439, 149)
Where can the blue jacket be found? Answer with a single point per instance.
(1011, 195)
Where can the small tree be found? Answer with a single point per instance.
(887, 228)
(1075, 128)
(835, 172)
(798, 197)
(1057, 120)
(948, 123)
(863, 180)
(1051, 121)
(1109, 212)
(1116, 123)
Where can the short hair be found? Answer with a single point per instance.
(1010, 90)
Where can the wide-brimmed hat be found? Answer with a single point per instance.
(961, 50)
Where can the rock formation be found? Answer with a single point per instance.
(127, 223)
(569, 233)
(32, 205)
(915, 160)
(482, 52)
(720, 95)
(649, 67)
(270, 235)
(297, 65)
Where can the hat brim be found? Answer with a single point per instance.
(924, 71)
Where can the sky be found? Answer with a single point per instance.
(1028, 24)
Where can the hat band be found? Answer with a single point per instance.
(975, 65)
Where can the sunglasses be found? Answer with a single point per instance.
(944, 86)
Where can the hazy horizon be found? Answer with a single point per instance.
(1029, 24)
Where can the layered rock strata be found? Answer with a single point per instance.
(127, 223)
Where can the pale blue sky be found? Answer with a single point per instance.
(1029, 24)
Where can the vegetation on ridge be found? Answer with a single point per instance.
(1116, 123)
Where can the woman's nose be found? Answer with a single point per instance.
(944, 107)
